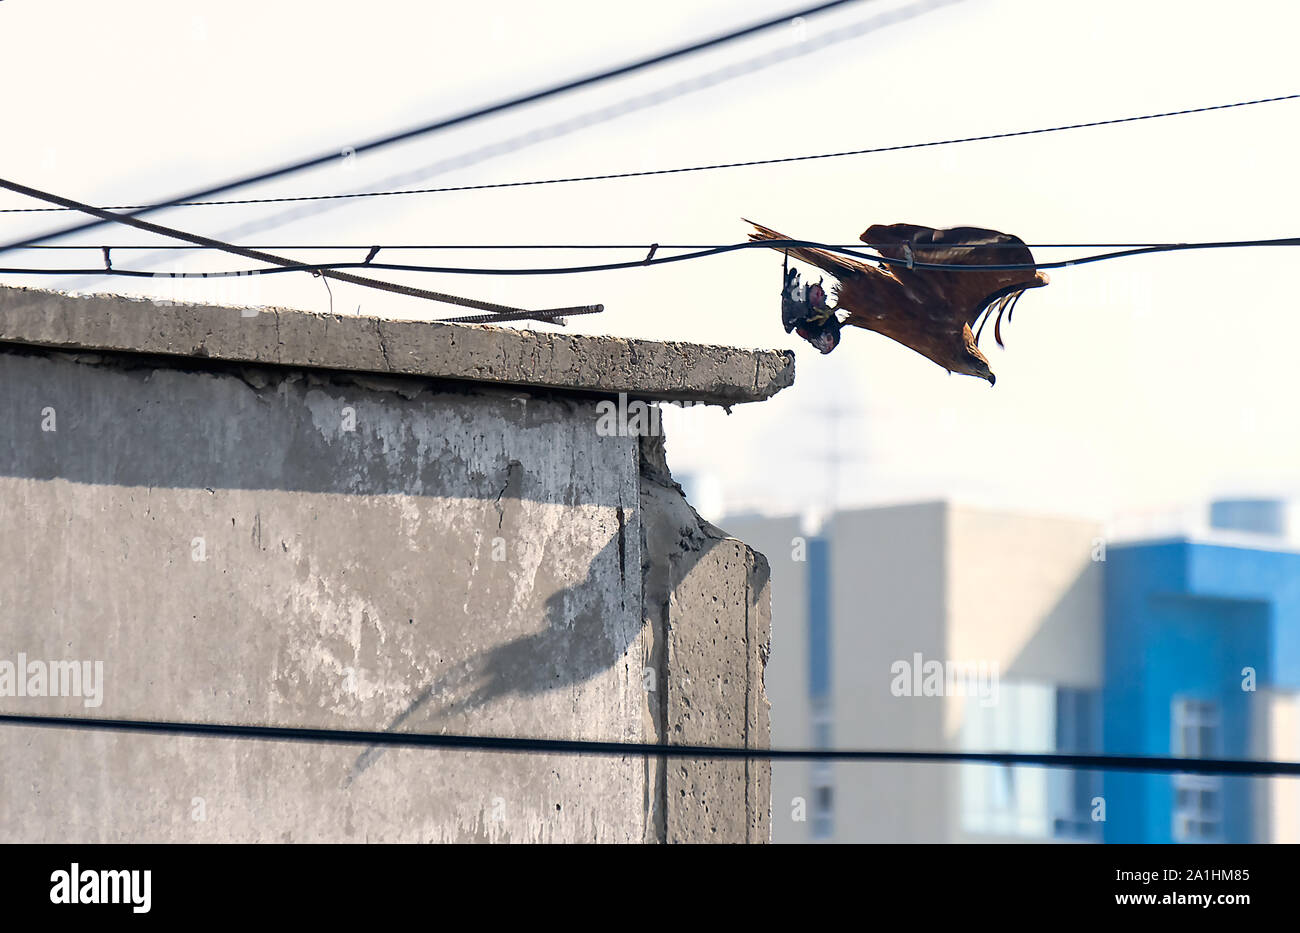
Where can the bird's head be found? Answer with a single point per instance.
(977, 365)
(825, 336)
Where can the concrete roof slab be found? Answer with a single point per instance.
(273, 336)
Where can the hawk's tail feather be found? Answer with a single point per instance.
(995, 309)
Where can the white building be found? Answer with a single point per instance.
(997, 613)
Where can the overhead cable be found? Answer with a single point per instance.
(644, 173)
(508, 744)
(460, 119)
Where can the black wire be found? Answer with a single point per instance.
(662, 171)
(151, 227)
(649, 749)
(449, 122)
(700, 254)
(533, 137)
(559, 246)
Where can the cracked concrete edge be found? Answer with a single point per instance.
(706, 605)
(643, 368)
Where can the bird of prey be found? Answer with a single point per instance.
(931, 311)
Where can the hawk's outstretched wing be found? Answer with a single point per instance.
(969, 294)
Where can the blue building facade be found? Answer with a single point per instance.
(1193, 632)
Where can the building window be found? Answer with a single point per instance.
(1033, 802)
(823, 815)
(1078, 732)
(1000, 799)
(819, 683)
(823, 811)
(1196, 728)
(1198, 799)
(1197, 814)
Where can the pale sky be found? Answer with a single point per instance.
(1126, 387)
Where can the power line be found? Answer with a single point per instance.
(1145, 763)
(458, 120)
(600, 115)
(289, 264)
(333, 269)
(685, 169)
(361, 247)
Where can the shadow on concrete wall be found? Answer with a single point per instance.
(146, 426)
(576, 645)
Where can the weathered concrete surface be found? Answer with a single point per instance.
(279, 546)
(648, 369)
(784, 542)
(708, 603)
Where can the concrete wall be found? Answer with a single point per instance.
(323, 546)
(787, 672)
